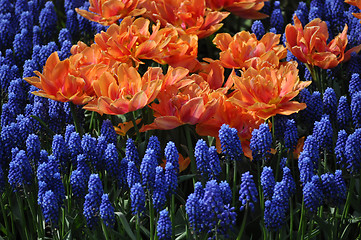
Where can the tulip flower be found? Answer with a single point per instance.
(61, 81)
(107, 12)
(356, 3)
(183, 162)
(131, 41)
(124, 90)
(244, 8)
(268, 91)
(236, 117)
(191, 104)
(123, 128)
(192, 16)
(244, 50)
(309, 44)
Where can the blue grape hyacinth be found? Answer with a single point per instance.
(248, 192)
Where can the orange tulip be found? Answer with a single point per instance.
(244, 50)
(192, 16)
(356, 3)
(60, 81)
(107, 12)
(124, 90)
(188, 105)
(131, 41)
(181, 50)
(309, 44)
(236, 117)
(267, 91)
(123, 128)
(243, 8)
(213, 74)
(183, 162)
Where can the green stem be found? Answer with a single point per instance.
(11, 215)
(137, 227)
(335, 221)
(77, 125)
(291, 219)
(62, 223)
(91, 121)
(32, 210)
(151, 217)
(135, 125)
(310, 227)
(234, 184)
(273, 128)
(227, 171)
(301, 227)
(190, 152)
(5, 219)
(243, 224)
(347, 204)
(105, 231)
(172, 215)
(23, 223)
(260, 192)
(279, 156)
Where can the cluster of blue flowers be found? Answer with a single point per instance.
(209, 209)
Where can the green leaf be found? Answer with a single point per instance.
(126, 226)
(182, 236)
(185, 177)
(345, 233)
(42, 123)
(324, 226)
(145, 230)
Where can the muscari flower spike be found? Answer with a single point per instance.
(201, 155)
(108, 131)
(133, 175)
(261, 142)
(159, 192)
(171, 155)
(230, 142)
(340, 148)
(154, 144)
(312, 194)
(147, 169)
(343, 116)
(267, 182)
(137, 198)
(248, 191)
(107, 211)
(164, 226)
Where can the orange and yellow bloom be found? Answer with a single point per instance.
(243, 8)
(356, 3)
(244, 50)
(61, 81)
(124, 90)
(131, 41)
(190, 104)
(309, 44)
(268, 91)
(107, 12)
(236, 117)
(191, 16)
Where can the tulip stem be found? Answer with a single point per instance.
(315, 77)
(75, 119)
(190, 152)
(135, 125)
